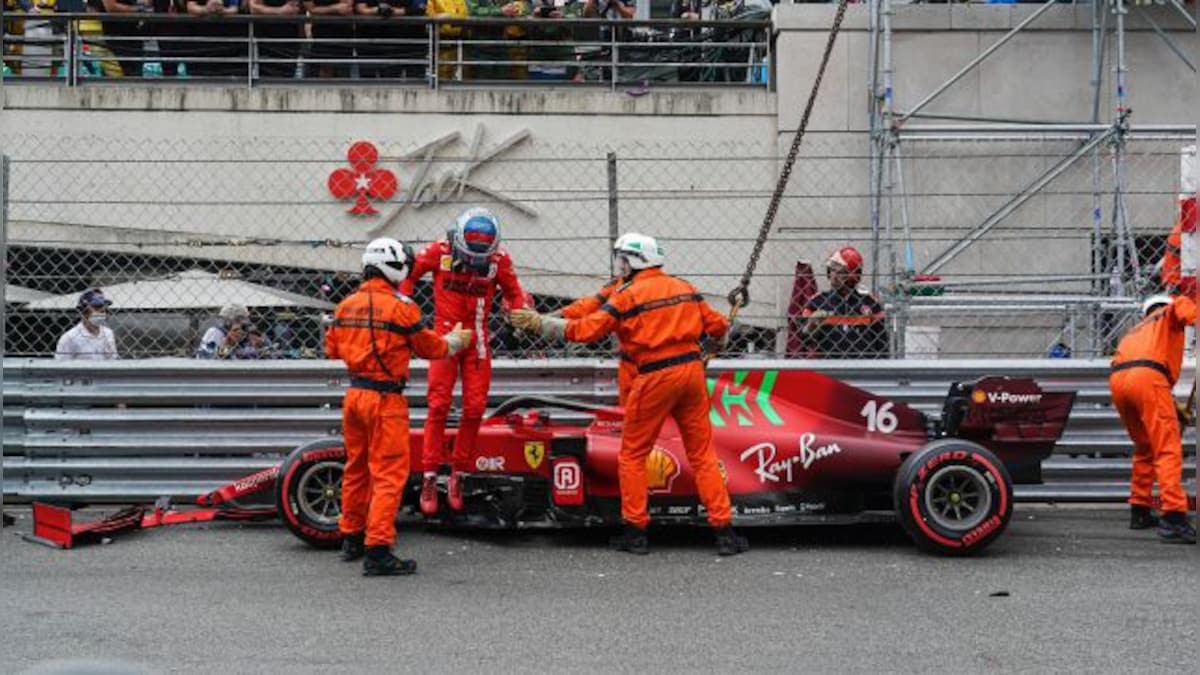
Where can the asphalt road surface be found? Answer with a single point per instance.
(1064, 590)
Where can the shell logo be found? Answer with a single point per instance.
(661, 470)
(978, 396)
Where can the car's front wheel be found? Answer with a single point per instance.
(308, 492)
(953, 497)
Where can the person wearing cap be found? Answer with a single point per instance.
(1144, 371)
(845, 322)
(91, 338)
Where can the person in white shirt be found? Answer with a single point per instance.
(91, 338)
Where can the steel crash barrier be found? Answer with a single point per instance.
(112, 432)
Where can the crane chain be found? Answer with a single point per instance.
(740, 296)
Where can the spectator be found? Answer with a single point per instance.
(333, 42)
(493, 9)
(124, 38)
(230, 337)
(280, 43)
(14, 28)
(171, 52)
(556, 58)
(688, 10)
(449, 53)
(91, 338)
(94, 48)
(43, 41)
(381, 32)
(845, 322)
(226, 50)
(607, 9)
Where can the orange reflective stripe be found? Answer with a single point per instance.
(852, 320)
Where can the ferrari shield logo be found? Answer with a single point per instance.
(535, 452)
(446, 263)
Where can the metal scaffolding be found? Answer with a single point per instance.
(894, 272)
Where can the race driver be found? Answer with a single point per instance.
(1144, 370)
(659, 321)
(467, 268)
(374, 330)
(626, 370)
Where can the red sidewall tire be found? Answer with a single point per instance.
(923, 474)
(287, 493)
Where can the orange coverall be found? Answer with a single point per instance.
(626, 369)
(659, 320)
(1144, 370)
(374, 330)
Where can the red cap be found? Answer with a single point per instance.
(847, 257)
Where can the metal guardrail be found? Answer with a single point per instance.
(134, 430)
(74, 49)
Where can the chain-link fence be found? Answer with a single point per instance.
(174, 230)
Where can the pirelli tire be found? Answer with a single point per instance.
(953, 497)
(308, 492)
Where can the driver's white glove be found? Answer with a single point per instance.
(457, 339)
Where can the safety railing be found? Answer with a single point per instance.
(77, 49)
(120, 431)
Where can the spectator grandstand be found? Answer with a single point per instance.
(422, 42)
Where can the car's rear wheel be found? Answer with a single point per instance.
(308, 492)
(953, 497)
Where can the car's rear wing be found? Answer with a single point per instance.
(1011, 416)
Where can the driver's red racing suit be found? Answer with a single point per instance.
(461, 295)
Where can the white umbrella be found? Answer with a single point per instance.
(193, 289)
(18, 295)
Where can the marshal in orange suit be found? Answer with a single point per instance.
(374, 331)
(1144, 371)
(659, 321)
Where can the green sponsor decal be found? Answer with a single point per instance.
(730, 402)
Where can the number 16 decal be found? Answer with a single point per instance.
(879, 417)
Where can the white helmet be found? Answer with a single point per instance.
(640, 251)
(391, 258)
(1153, 301)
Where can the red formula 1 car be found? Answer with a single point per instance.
(795, 447)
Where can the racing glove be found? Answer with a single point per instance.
(457, 339)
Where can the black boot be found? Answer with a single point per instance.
(1174, 528)
(1141, 517)
(379, 562)
(729, 542)
(632, 539)
(353, 547)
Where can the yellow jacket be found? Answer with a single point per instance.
(455, 8)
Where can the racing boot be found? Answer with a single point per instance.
(454, 493)
(730, 542)
(379, 562)
(1141, 517)
(632, 540)
(353, 547)
(1174, 528)
(429, 496)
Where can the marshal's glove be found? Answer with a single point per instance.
(532, 322)
(1185, 414)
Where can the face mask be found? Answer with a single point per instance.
(99, 318)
